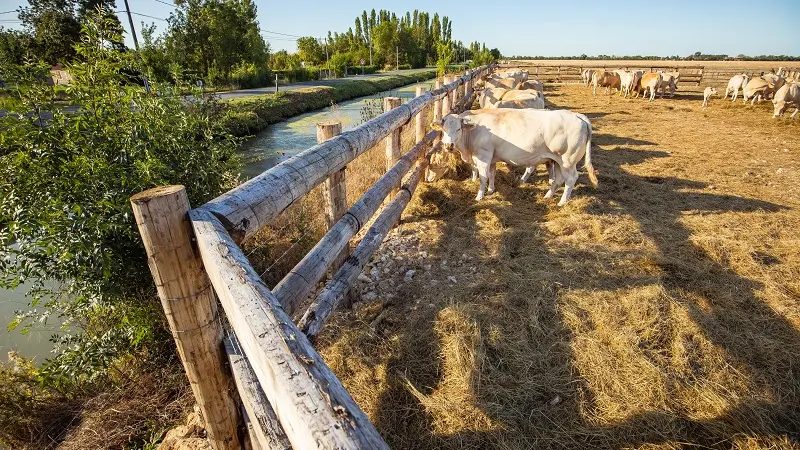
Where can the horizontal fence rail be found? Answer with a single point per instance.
(288, 398)
(688, 74)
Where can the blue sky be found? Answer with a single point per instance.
(552, 28)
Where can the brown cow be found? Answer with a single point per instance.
(605, 79)
(649, 81)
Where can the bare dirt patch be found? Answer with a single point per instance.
(658, 311)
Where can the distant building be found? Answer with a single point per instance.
(59, 76)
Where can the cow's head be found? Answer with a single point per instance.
(779, 107)
(452, 128)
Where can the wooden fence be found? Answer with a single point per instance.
(265, 372)
(688, 74)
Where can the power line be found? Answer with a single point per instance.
(166, 3)
(282, 34)
(140, 14)
(8, 12)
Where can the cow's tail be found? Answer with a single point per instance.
(588, 161)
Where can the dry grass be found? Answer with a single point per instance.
(659, 311)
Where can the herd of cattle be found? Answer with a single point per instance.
(784, 92)
(513, 126)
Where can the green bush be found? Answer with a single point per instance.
(404, 66)
(248, 75)
(65, 184)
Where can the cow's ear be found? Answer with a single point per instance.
(466, 123)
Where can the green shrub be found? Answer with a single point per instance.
(65, 183)
(248, 75)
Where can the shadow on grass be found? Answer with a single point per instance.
(519, 387)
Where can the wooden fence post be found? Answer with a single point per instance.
(422, 116)
(447, 99)
(392, 141)
(190, 306)
(334, 191)
(437, 105)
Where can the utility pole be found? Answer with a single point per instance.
(327, 61)
(136, 43)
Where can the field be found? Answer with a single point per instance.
(661, 310)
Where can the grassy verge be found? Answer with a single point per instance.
(250, 115)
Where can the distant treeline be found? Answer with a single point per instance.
(697, 56)
(385, 40)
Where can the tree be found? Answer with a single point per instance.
(14, 46)
(54, 29)
(211, 38)
(310, 51)
(446, 54)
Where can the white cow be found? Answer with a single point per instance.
(587, 76)
(668, 81)
(625, 81)
(707, 93)
(490, 96)
(777, 82)
(524, 137)
(531, 85)
(517, 99)
(757, 89)
(734, 84)
(788, 94)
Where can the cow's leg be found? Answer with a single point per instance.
(727, 89)
(492, 172)
(474, 174)
(528, 172)
(795, 111)
(595, 90)
(483, 172)
(736, 94)
(570, 175)
(555, 182)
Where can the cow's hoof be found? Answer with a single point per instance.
(478, 198)
(548, 194)
(562, 202)
(490, 192)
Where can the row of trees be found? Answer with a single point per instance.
(385, 40)
(216, 40)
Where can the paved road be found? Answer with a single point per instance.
(306, 84)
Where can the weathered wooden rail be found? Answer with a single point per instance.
(689, 74)
(268, 371)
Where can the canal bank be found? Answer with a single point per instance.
(246, 116)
